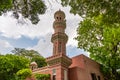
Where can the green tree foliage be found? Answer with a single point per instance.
(99, 32)
(39, 60)
(26, 53)
(103, 42)
(42, 76)
(23, 74)
(110, 9)
(5, 5)
(27, 8)
(10, 65)
(32, 55)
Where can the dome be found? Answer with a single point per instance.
(33, 63)
(59, 13)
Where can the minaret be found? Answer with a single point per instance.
(59, 38)
(59, 63)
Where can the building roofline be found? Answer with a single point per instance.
(84, 56)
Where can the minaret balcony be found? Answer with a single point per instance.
(59, 59)
(59, 24)
(59, 36)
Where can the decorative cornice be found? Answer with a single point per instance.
(59, 36)
(57, 24)
(59, 59)
(40, 69)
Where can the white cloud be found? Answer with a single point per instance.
(44, 46)
(43, 30)
(10, 29)
(72, 25)
(4, 45)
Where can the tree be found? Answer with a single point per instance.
(26, 53)
(10, 65)
(23, 74)
(99, 32)
(40, 61)
(110, 9)
(32, 55)
(27, 8)
(42, 76)
(103, 43)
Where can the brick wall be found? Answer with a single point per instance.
(82, 67)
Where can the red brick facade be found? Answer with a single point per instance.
(83, 68)
(61, 67)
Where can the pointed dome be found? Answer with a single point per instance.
(59, 13)
(33, 63)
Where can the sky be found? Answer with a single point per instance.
(38, 37)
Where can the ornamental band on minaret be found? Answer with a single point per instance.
(59, 38)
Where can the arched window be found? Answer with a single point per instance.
(54, 49)
(59, 47)
(54, 74)
(93, 76)
(60, 18)
(54, 71)
(54, 77)
(57, 17)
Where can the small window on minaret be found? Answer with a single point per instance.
(60, 18)
(57, 17)
(54, 49)
(59, 47)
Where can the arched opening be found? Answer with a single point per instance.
(54, 74)
(54, 77)
(57, 18)
(59, 47)
(60, 18)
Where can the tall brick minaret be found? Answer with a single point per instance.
(59, 38)
(59, 62)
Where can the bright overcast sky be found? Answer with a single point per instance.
(38, 37)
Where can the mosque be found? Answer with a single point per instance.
(60, 66)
